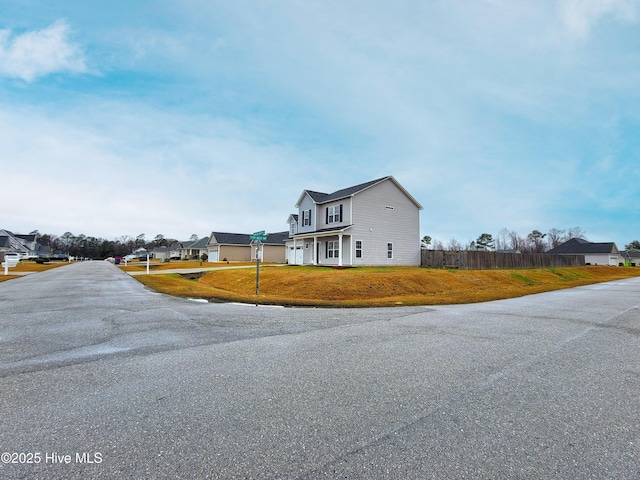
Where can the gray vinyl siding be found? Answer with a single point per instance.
(376, 225)
(346, 213)
(307, 204)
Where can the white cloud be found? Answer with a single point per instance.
(41, 52)
(119, 169)
(579, 16)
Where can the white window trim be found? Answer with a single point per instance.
(333, 216)
(389, 250)
(356, 249)
(333, 248)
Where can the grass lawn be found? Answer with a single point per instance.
(378, 286)
(136, 266)
(28, 266)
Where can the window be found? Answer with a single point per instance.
(358, 248)
(334, 214)
(389, 250)
(306, 218)
(333, 249)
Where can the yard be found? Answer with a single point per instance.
(377, 286)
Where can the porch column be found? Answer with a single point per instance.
(315, 251)
(340, 250)
(294, 252)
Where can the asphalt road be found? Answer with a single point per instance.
(102, 378)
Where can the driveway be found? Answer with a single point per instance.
(126, 383)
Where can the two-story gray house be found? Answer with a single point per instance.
(374, 223)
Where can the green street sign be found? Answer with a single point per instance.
(260, 236)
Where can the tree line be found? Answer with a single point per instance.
(510, 240)
(87, 246)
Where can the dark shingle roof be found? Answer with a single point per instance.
(231, 238)
(580, 246)
(26, 237)
(201, 243)
(245, 239)
(319, 197)
(277, 238)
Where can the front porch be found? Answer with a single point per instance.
(332, 247)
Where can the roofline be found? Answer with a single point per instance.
(389, 177)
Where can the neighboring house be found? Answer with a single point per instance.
(161, 253)
(194, 249)
(24, 245)
(174, 250)
(141, 253)
(594, 253)
(631, 257)
(237, 247)
(374, 223)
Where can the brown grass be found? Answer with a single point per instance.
(383, 286)
(136, 266)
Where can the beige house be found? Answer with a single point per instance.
(237, 247)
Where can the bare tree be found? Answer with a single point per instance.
(454, 245)
(502, 241)
(516, 242)
(576, 232)
(554, 237)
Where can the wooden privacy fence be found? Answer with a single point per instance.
(480, 260)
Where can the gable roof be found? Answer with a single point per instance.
(223, 238)
(580, 246)
(319, 197)
(201, 243)
(15, 242)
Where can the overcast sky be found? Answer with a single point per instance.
(191, 116)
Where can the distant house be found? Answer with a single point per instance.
(24, 245)
(594, 253)
(194, 249)
(161, 253)
(631, 257)
(373, 223)
(237, 247)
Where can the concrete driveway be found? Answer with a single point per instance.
(126, 383)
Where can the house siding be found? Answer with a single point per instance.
(376, 226)
(307, 204)
(344, 205)
(234, 253)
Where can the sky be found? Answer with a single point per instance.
(181, 117)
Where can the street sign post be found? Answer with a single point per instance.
(258, 238)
